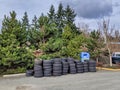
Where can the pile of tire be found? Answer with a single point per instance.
(29, 73)
(38, 69)
(86, 66)
(47, 68)
(57, 67)
(79, 66)
(72, 67)
(92, 66)
(65, 66)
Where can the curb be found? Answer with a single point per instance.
(108, 69)
(14, 75)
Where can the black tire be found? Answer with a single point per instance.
(77, 61)
(92, 65)
(72, 65)
(49, 70)
(64, 59)
(47, 75)
(86, 70)
(65, 66)
(57, 65)
(65, 63)
(92, 62)
(57, 69)
(72, 68)
(49, 62)
(37, 67)
(57, 60)
(29, 73)
(64, 73)
(50, 67)
(65, 69)
(80, 63)
(57, 74)
(85, 65)
(38, 61)
(70, 60)
(80, 71)
(78, 66)
(73, 72)
(92, 69)
(38, 74)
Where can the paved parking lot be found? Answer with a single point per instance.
(101, 80)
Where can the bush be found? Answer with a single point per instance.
(16, 58)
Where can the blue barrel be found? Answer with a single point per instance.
(84, 56)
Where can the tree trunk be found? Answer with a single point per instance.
(109, 55)
(97, 59)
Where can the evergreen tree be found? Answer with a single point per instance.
(52, 14)
(35, 22)
(70, 18)
(34, 36)
(11, 26)
(13, 54)
(25, 21)
(60, 19)
(69, 15)
(95, 44)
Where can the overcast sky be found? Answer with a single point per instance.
(88, 11)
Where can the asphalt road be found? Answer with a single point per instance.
(101, 80)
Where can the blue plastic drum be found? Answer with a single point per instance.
(84, 56)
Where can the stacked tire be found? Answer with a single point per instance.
(72, 67)
(29, 73)
(65, 66)
(86, 66)
(47, 68)
(57, 67)
(79, 66)
(38, 70)
(92, 66)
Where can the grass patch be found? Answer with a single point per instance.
(12, 71)
(115, 66)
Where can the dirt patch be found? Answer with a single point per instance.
(24, 88)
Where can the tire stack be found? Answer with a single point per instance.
(38, 70)
(57, 67)
(65, 66)
(29, 73)
(79, 66)
(86, 66)
(92, 66)
(72, 68)
(47, 68)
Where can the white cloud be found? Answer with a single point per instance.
(91, 8)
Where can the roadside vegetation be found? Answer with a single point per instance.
(54, 35)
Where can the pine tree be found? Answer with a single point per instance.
(70, 17)
(52, 14)
(11, 26)
(35, 22)
(12, 39)
(34, 36)
(25, 21)
(60, 19)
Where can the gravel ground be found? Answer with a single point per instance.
(101, 80)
